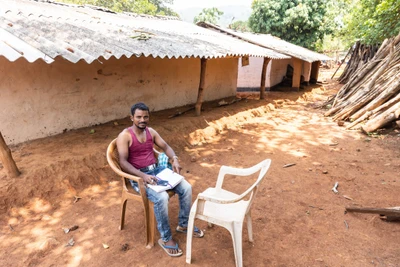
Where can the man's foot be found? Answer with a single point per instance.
(171, 248)
(196, 231)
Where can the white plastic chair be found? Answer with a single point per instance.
(227, 209)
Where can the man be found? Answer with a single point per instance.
(135, 148)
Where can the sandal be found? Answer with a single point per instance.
(196, 231)
(165, 248)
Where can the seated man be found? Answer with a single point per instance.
(135, 148)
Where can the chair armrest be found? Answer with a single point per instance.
(228, 199)
(126, 175)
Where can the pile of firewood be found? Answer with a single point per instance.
(360, 55)
(370, 97)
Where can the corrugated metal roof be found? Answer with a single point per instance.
(45, 31)
(271, 42)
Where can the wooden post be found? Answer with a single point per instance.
(201, 86)
(296, 73)
(263, 75)
(7, 159)
(314, 71)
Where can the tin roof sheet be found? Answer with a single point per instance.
(272, 42)
(47, 30)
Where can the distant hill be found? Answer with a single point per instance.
(230, 12)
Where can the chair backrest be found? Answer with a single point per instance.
(250, 192)
(263, 166)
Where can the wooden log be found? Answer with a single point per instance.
(263, 77)
(377, 103)
(369, 113)
(199, 102)
(7, 159)
(296, 73)
(392, 114)
(383, 211)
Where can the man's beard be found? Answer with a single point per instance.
(142, 125)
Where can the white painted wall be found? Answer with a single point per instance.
(38, 99)
(250, 76)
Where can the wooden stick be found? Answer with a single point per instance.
(201, 86)
(348, 52)
(7, 159)
(263, 75)
(383, 211)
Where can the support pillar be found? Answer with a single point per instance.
(314, 71)
(296, 73)
(201, 86)
(7, 159)
(263, 76)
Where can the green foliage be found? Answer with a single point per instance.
(150, 7)
(371, 21)
(302, 22)
(210, 15)
(242, 26)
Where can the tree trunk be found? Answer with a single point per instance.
(7, 159)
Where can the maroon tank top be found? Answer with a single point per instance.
(141, 154)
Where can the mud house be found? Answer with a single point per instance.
(68, 66)
(303, 63)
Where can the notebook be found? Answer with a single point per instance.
(167, 179)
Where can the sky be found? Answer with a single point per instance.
(182, 4)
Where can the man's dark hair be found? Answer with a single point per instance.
(140, 106)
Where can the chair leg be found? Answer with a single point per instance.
(123, 209)
(249, 227)
(150, 226)
(189, 235)
(237, 242)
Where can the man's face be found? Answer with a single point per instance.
(140, 118)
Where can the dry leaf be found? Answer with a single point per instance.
(105, 246)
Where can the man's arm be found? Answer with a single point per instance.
(123, 152)
(167, 149)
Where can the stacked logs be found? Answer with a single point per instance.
(370, 98)
(360, 55)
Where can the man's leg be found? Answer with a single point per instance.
(184, 192)
(160, 201)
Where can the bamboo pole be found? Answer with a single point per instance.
(344, 59)
(263, 76)
(201, 86)
(7, 159)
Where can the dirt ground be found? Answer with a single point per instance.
(297, 219)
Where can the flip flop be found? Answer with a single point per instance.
(196, 231)
(165, 248)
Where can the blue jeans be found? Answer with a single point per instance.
(160, 200)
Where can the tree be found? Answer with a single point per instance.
(210, 15)
(150, 7)
(371, 21)
(240, 25)
(301, 22)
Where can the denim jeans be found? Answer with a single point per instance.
(160, 200)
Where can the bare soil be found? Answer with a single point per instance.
(297, 219)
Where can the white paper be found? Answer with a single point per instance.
(173, 179)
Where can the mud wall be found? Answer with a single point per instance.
(39, 99)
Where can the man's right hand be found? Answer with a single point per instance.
(149, 179)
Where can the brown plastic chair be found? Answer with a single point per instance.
(129, 193)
